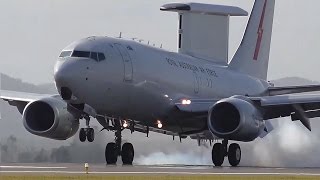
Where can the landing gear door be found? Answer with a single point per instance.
(128, 71)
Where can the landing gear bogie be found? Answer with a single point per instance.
(221, 150)
(114, 149)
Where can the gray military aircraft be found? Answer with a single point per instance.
(124, 84)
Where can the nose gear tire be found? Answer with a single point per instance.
(82, 135)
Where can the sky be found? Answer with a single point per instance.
(33, 32)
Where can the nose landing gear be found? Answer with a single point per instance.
(86, 133)
(113, 149)
(220, 151)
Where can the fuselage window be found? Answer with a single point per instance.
(65, 54)
(101, 56)
(85, 54)
(94, 56)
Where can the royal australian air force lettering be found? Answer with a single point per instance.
(214, 80)
(203, 77)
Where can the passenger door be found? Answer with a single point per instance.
(128, 71)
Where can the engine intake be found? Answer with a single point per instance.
(48, 117)
(40, 116)
(228, 115)
(235, 118)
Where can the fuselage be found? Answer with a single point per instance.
(141, 82)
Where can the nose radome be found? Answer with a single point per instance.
(62, 74)
(63, 78)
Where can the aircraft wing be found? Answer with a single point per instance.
(306, 99)
(21, 96)
(300, 107)
(20, 99)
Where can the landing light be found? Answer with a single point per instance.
(125, 124)
(186, 102)
(159, 124)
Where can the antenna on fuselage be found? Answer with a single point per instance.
(120, 35)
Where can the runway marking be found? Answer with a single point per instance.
(168, 167)
(30, 167)
(169, 173)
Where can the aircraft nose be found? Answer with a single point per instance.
(63, 76)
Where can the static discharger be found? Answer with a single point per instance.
(86, 167)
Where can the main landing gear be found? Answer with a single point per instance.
(86, 133)
(113, 149)
(220, 151)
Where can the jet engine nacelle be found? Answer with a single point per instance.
(48, 117)
(235, 118)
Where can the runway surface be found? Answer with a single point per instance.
(102, 169)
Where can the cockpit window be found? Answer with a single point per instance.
(97, 56)
(85, 54)
(65, 54)
(101, 56)
(94, 56)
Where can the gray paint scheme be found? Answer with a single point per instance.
(147, 84)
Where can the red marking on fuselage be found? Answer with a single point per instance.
(260, 32)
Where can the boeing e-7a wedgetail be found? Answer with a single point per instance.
(125, 84)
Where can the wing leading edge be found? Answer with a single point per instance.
(300, 107)
(21, 99)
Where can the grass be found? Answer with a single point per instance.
(146, 177)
